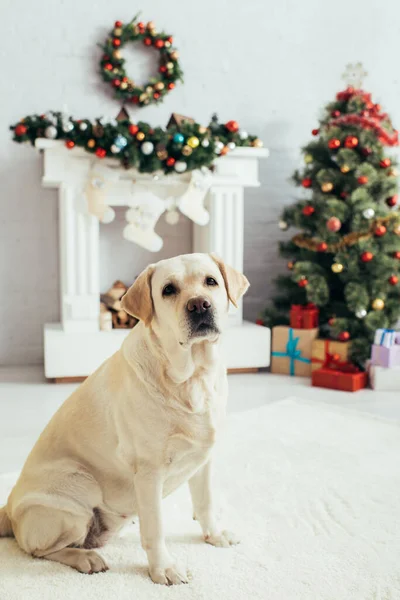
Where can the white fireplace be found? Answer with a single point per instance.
(76, 346)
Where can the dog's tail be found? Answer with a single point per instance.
(6, 529)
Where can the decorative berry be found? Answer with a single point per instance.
(315, 131)
(232, 126)
(163, 69)
(393, 280)
(118, 24)
(334, 143)
(116, 82)
(385, 162)
(156, 95)
(362, 180)
(344, 336)
(331, 321)
(159, 44)
(171, 85)
(100, 152)
(351, 141)
(335, 113)
(170, 161)
(108, 67)
(333, 224)
(20, 129)
(343, 195)
(322, 247)
(70, 144)
(380, 230)
(392, 201)
(116, 43)
(366, 151)
(302, 282)
(307, 182)
(147, 41)
(396, 254)
(308, 210)
(133, 129)
(367, 256)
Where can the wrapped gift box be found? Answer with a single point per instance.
(385, 379)
(336, 379)
(325, 351)
(291, 350)
(304, 316)
(385, 350)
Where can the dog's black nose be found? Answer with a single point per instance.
(198, 305)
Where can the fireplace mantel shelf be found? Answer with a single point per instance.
(76, 346)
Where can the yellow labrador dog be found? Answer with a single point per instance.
(143, 424)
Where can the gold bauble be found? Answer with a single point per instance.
(187, 150)
(393, 172)
(193, 141)
(159, 86)
(143, 97)
(149, 89)
(123, 85)
(117, 54)
(117, 31)
(257, 143)
(378, 304)
(91, 143)
(327, 186)
(396, 229)
(167, 44)
(202, 129)
(337, 267)
(308, 159)
(162, 154)
(115, 70)
(174, 55)
(169, 65)
(140, 136)
(345, 168)
(150, 25)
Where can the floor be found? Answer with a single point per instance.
(27, 402)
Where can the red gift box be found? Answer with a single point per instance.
(339, 375)
(304, 316)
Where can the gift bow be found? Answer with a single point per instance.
(292, 352)
(386, 337)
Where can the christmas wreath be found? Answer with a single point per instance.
(112, 63)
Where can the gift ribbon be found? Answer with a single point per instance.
(327, 356)
(384, 333)
(292, 352)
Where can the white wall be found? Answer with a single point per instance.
(270, 65)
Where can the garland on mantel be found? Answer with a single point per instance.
(183, 146)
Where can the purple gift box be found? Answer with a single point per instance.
(385, 357)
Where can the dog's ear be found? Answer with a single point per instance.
(138, 301)
(236, 283)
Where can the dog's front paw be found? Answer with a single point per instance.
(223, 539)
(170, 576)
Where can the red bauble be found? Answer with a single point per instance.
(302, 282)
(344, 336)
(133, 129)
(307, 182)
(259, 322)
(393, 280)
(315, 131)
(124, 79)
(171, 85)
(392, 200)
(20, 129)
(70, 144)
(156, 95)
(335, 113)
(170, 162)
(380, 230)
(163, 69)
(118, 24)
(141, 25)
(170, 39)
(116, 43)
(385, 162)
(322, 247)
(116, 82)
(334, 143)
(367, 256)
(232, 126)
(135, 99)
(108, 67)
(396, 255)
(331, 321)
(343, 195)
(147, 41)
(333, 224)
(100, 152)
(351, 141)
(363, 179)
(366, 151)
(159, 44)
(308, 210)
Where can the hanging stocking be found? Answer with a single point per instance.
(96, 193)
(191, 203)
(142, 217)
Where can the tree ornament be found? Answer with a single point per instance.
(218, 147)
(361, 313)
(308, 159)
(306, 182)
(187, 150)
(170, 161)
(20, 129)
(331, 321)
(345, 168)
(116, 42)
(315, 131)
(120, 141)
(368, 213)
(362, 180)
(243, 134)
(392, 200)
(322, 247)
(335, 113)
(68, 126)
(366, 151)
(380, 230)
(378, 304)
(333, 224)
(337, 268)
(231, 145)
(327, 186)
(114, 149)
(290, 265)
(70, 144)
(140, 136)
(367, 256)
(133, 129)
(396, 254)
(283, 225)
(257, 143)
(393, 280)
(147, 148)
(178, 138)
(232, 126)
(91, 143)
(351, 141)
(193, 141)
(343, 195)
(344, 336)
(393, 172)
(308, 210)
(385, 162)
(396, 229)
(100, 152)
(51, 132)
(180, 166)
(205, 143)
(334, 144)
(302, 282)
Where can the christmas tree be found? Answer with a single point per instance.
(346, 259)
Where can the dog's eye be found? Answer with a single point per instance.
(169, 290)
(211, 281)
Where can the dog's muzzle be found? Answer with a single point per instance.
(200, 315)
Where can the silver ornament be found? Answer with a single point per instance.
(243, 135)
(147, 148)
(361, 313)
(172, 217)
(231, 145)
(205, 143)
(83, 126)
(120, 141)
(114, 149)
(368, 213)
(180, 166)
(283, 225)
(51, 132)
(218, 147)
(67, 126)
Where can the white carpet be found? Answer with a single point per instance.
(314, 493)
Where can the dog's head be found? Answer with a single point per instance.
(187, 297)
